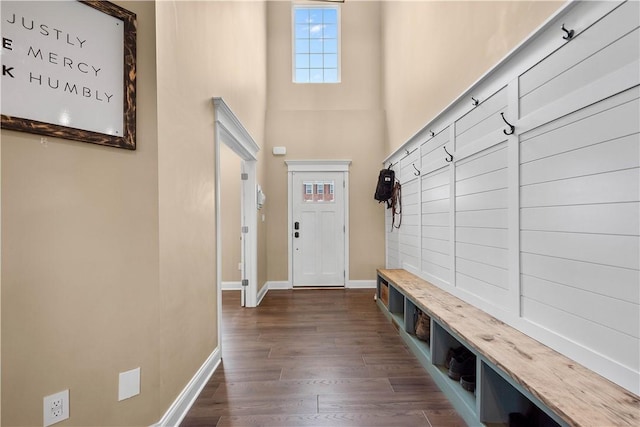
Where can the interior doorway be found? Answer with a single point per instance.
(231, 214)
(232, 134)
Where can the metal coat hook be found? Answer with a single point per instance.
(417, 172)
(432, 134)
(474, 101)
(450, 158)
(407, 151)
(569, 35)
(512, 128)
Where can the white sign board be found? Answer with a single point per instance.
(62, 64)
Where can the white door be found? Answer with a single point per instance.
(318, 234)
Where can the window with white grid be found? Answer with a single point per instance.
(316, 56)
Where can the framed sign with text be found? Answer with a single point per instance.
(69, 70)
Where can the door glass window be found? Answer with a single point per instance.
(318, 191)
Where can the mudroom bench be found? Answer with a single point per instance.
(516, 376)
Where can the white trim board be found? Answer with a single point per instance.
(262, 292)
(281, 285)
(229, 131)
(318, 165)
(231, 286)
(180, 407)
(361, 284)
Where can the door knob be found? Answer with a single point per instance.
(296, 234)
(296, 226)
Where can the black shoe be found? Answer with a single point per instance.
(453, 352)
(468, 382)
(464, 364)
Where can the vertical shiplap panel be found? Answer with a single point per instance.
(409, 231)
(580, 227)
(435, 209)
(482, 224)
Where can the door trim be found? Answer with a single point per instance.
(230, 131)
(317, 166)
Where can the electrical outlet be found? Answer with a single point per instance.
(55, 408)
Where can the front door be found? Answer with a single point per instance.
(318, 234)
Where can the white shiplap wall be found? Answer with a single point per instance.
(435, 209)
(435, 226)
(481, 224)
(540, 228)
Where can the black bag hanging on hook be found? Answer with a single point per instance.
(384, 189)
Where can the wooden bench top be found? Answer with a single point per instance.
(578, 395)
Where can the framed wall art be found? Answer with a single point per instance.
(69, 70)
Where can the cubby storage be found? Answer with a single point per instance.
(514, 374)
(396, 306)
(410, 327)
(500, 399)
(443, 342)
(383, 292)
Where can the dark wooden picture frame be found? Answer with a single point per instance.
(128, 139)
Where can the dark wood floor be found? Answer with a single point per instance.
(316, 358)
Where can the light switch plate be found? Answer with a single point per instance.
(279, 151)
(129, 384)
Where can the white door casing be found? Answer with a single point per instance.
(318, 206)
(229, 131)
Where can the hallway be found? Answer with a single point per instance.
(316, 358)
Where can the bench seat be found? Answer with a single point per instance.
(577, 395)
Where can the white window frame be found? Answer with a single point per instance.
(295, 6)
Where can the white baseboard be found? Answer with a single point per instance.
(361, 284)
(351, 284)
(271, 286)
(279, 285)
(262, 292)
(231, 286)
(179, 408)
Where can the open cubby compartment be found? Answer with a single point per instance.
(383, 291)
(411, 317)
(500, 397)
(396, 306)
(410, 327)
(441, 341)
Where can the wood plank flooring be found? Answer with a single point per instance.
(316, 358)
